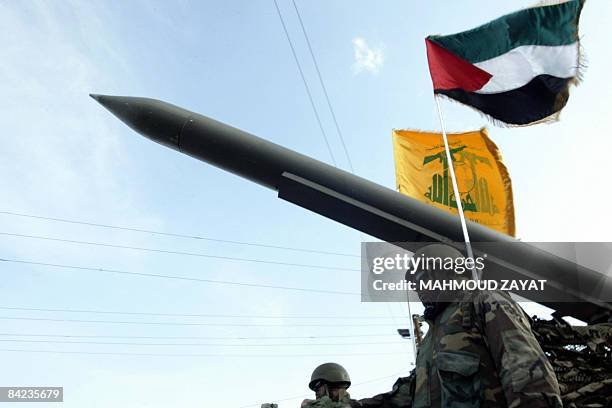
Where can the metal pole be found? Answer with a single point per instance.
(449, 157)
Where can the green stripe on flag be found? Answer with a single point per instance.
(545, 25)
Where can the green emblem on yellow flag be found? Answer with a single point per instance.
(421, 169)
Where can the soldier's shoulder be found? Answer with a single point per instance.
(488, 300)
(490, 296)
(317, 403)
(494, 303)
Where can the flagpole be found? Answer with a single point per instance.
(449, 159)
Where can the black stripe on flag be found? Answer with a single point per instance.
(542, 97)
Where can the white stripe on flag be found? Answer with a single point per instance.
(544, 3)
(519, 66)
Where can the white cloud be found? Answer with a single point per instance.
(366, 58)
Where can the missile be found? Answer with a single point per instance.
(357, 202)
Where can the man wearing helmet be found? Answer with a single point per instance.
(330, 382)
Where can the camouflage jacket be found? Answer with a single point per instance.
(399, 397)
(326, 402)
(481, 352)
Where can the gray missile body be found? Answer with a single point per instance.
(349, 199)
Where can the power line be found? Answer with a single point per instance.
(299, 66)
(239, 316)
(199, 355)
(329, 105)
(199, 344)
(48, 319)
(164, 251)
(191, 279)
(168, 234)
(90, 336)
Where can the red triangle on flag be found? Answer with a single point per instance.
(448, 71)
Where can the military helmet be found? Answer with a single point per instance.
(330, 373)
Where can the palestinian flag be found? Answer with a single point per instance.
(516, 69)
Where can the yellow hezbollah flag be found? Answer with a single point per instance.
(421, 170)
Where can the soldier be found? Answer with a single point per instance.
(479, 350)
(330, 382)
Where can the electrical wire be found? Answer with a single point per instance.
(48, 319)
(329, 104)
(168, 234)
(299, 66)
(93, 336)
(111, 343)
(184, 278)
(198, 355)
(331, 109)
(238, 316)
(164, 251)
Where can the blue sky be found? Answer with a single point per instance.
(64, 156)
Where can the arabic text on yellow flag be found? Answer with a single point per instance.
(421, 169)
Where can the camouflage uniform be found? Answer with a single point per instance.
(480, 352)
(399, 397)
(326, 402)
(582, 359)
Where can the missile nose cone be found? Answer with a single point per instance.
(156, 120)
(112, 103)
